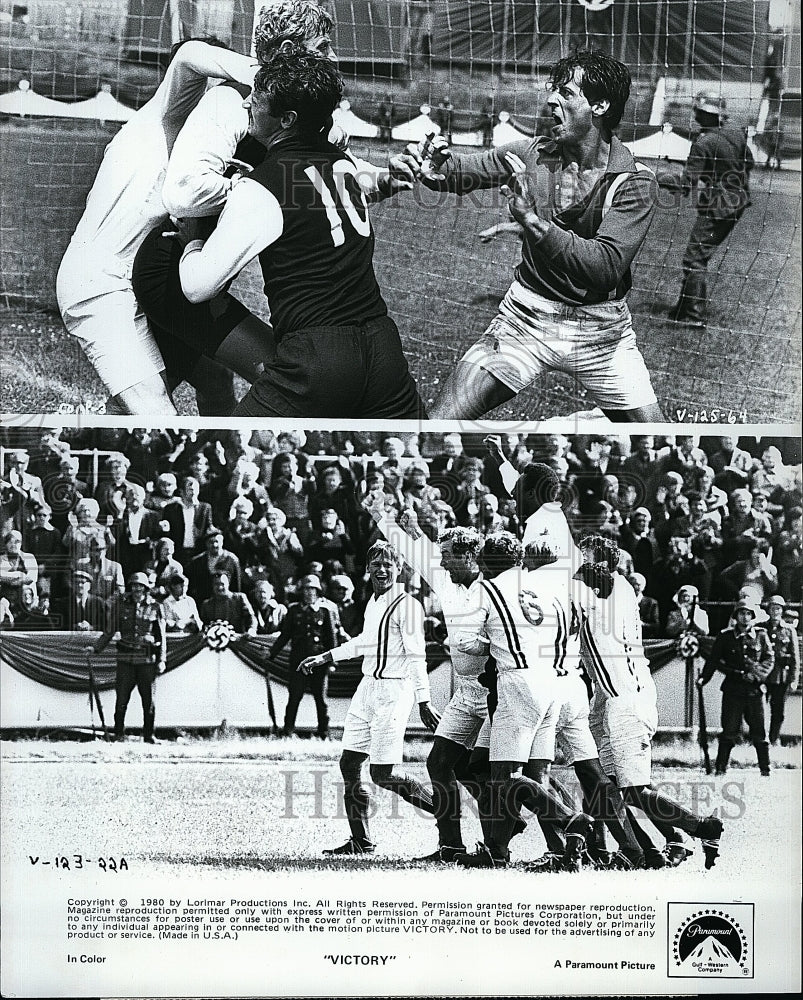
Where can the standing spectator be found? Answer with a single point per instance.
(670, 574)
(203, 566)
(190, 519)
(136, 531)
(16, 569)
(755, 576)
(744, 654)
(773, 476)
(21, 494)
(639, 466)
(386, 113)
(444, 115)
(290, 492)
(335, 493)
(489, 121)
(786, 669)
(311, 628)
(341, 591)
(162, 568)
(789, 555)
(284, 551)
(44, 544)
(638, 538)
(226, 606)
(647, 606)
(244, 483)
(717, 175)
(64, 491)
(111, 490)
(687, 615)
(469, 493)
(269, 613)
(732, 465)
(331, 541)
(30, 617)
(83, 527)
(83, 611)
(163, 494)
(771, 141)
(242, 536)
(741, 527)
(106, 575)
(141, 652)
(418, 493)
(180, 610)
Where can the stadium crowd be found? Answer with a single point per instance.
(711, 518)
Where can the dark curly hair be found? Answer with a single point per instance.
(604, 79)
(465, 541)
(501, 551)
(295, 79)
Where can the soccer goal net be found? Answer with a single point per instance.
(73, 71)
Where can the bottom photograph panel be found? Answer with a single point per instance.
(318, 713)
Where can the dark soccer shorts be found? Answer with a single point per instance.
(184, 331)
(347, 371)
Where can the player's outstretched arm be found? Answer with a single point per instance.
(186, 78)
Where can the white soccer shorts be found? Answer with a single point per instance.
(524, 701)
(566, 723)
(377, 719)
(465, 714)
(595, 344)
(99, 309)
(623, 728)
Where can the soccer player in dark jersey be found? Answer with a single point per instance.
(303, 212)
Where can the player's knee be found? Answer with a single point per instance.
(381, 774)
(350, 766)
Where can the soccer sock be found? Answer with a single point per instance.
(605, 803)
(407, 788)
(661, 810)
(522, 791)
(356, 801)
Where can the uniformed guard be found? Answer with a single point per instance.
(312, 626)
(743, 653)
(141, 651)
(787, 663)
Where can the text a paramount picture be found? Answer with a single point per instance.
(316, 712)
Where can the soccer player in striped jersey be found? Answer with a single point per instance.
(524, 623)
(451, 569)
(394, 674)
(624, 712)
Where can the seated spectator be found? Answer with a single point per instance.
(226, 606)
(789, 555)
(681, 619)
(214, 557)
(648, 607)
(180, 610)
(732, 465)
(164, 566)
(269, 612)
(773, 477)
(106, 574)
(16, 569)
(700, 518)
(243, 536)
(163, 493)
(341, 593)
(761, 509)
(30, 617)
(755, 576)
(83, 612)
(44, 544)
(332, 541)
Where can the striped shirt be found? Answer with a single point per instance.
(611, 640)
(392, 641)
(526, 617)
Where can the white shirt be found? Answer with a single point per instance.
(134, 524)
(459, 603)
(189, 525)
(180, 612)
(392, 641)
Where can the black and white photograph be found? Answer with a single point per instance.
(394, 209)
(585, 648)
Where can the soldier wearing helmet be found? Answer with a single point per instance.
(717, 176)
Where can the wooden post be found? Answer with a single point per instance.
(655, 37)
(623, 41)
(505, 38)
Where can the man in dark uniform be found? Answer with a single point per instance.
(141, 651)
(226, 606)
(312, 627)
(744, 654)
(787, 663)
(720, 160)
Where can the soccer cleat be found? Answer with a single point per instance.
(352, 846)
(620, 862)
(444, 855)
(481, 858)
(577, 829)
(546, 863)
(676, 854)
(709, 830)
(596, 858)
(654, 859)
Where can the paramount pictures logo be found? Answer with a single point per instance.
(710, 940)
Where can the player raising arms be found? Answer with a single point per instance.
(394, 671)
(93, 286)
(303, 212)
(585, 206)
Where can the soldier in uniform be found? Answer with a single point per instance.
(787, 663)
(141, 651)
(744, 654)
(312, 627)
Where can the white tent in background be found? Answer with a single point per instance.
(418, 128)
(24, 102)
(467, 138)
(103, 107)
(505, 132)
(663, 145)
(352, 124)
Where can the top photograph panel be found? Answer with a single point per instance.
(402, 209)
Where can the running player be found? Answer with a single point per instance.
(624, 713)
(394, 673)
(304, 214)
(93, 285)
(585, 206)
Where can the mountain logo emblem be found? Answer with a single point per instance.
(711, 942)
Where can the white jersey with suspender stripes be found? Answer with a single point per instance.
(392, 641)
(611, 641)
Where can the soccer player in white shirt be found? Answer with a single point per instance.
(624, 713)
(451, 569)
(93, 286)
(524, 622)
(394, 670)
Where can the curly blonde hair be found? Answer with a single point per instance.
(288, 20)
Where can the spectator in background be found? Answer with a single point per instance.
(105, 574)
(773, 476)
(284, 552)
(203, 566)
(6, 616)
(331, 541)
(385, 118)
(29, 617)
(16, 569)
(469, 493)
(741, 527)
(771, 141)
(64, 492)
(335, 494)
(111, 491)
(418, 493)
(451, 459)
(190, 519)
(312, 627)
(242, 536)
(760, 508)
(180, 610)
(754, 576)
(135, 531)
(699, 517)
(648, 606)
(684, 458)
(44, 544)
(226, 606)
(267, 610)
(163, 566)
(290, 492)
(687, 615)
(786, 667)
(244, 483)
(638, 538)
(664, 502)
(83, 611)
(163, 493)
(732, 465)
(341, 593)
(671, 573)
(789, 555)
(640, 463)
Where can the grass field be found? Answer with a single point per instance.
(442, 286)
